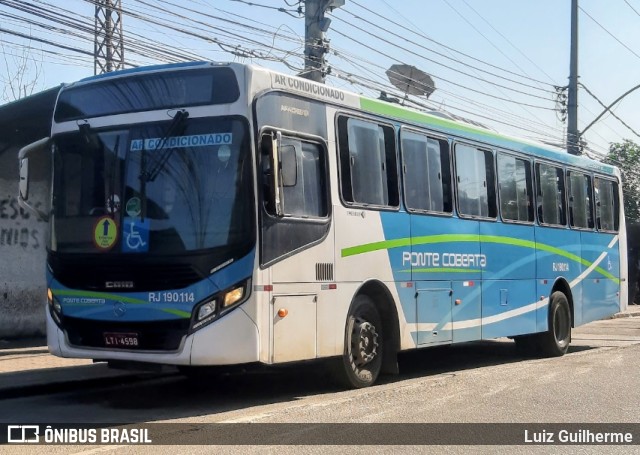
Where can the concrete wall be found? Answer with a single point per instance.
(22, 237)
(22, 251)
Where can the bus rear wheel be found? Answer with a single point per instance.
(361, 360)
(555, 341)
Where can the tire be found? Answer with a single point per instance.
(555, 341)
(361, 361)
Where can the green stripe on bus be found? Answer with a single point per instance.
(457, 238)
(401, 113)
(182, 314)
(121, 298)
(378, 107)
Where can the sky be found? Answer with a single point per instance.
(497, 62)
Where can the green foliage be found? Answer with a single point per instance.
(626, 156)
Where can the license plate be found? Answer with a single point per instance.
(121, 340)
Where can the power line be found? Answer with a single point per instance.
(608, 32)
(378, 27)
(610, 111)
(422, 35)
(507, 40)
(282, 10)
(376, 86)
(473, 68)
(482, 34)
(440, 78)
(389, 89)
(494, 85)
(630, 6)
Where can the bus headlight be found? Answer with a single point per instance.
(54, 307)
(233, 296)
(207, 309)
(219, 304)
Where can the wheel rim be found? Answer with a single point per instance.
(364, 342)
(561, 326)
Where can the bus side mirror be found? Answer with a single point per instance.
(23, 187)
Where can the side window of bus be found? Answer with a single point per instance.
(580, 197)
(427, 173)
(367, 162)
(475, 181)
(302, 178)
(550, 195)
(515, 184)
(607, 205)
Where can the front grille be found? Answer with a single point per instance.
(154, 335)
(94, 274)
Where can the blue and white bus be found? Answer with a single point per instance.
(220, 214)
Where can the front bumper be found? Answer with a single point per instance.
(233, 339)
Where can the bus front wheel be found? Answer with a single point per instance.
(555, 341)
(361, 360)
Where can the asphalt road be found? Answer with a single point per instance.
(596, 382)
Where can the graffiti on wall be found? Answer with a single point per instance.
(13, 232)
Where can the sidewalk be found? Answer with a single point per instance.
(632, 311)
(27, 366)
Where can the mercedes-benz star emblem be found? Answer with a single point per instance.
(119, 309)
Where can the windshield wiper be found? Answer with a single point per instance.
(94, 141)
(177, 122)
(111, 197)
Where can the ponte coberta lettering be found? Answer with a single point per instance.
(433, 259)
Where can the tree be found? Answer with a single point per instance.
(21, 73)
(626, 156)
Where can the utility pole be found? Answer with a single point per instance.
(573, 135)
(315, 44)
(108, 48)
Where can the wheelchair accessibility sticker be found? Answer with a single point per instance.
(135, 235)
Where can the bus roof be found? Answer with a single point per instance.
(439, 121)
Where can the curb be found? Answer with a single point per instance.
(625, 315)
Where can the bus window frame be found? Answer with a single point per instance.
(431, 135)
(382, 122)
(618, 184)
(583, 172)
(263, 214)
(555, 164)
(304, 137)
(484, 148)
(529, 160)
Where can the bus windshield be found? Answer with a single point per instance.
(159, 188)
